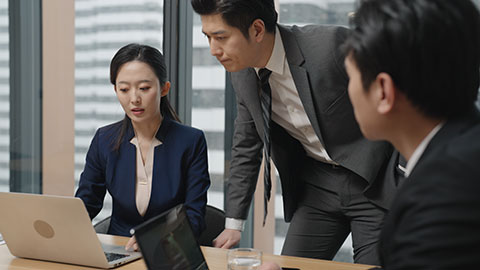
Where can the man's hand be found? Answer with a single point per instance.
(227, 239)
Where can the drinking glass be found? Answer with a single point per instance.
(244, 259)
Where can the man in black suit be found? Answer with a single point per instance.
(331, 176)
(414, 78)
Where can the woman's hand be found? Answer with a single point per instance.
(131, 244)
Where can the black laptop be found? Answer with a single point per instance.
(167, 242)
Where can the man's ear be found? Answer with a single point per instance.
(386, 93)
(165, 89)
(257, 30)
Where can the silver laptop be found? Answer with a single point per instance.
(55, 228)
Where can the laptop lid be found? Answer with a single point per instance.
(52, 228)
(167, 242)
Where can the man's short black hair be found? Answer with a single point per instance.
(431, 48)
(240, 13)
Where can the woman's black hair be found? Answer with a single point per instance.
(151, 57)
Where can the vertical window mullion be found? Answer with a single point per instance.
(177, 44)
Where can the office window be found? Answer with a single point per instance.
(302, 12)
(208, 108)
(101, 28)
(4, 98)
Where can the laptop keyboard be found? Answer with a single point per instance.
(114, 256)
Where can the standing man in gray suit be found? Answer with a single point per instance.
(331, 176)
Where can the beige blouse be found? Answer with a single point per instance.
(144, 175)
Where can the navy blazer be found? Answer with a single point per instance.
(180, 175)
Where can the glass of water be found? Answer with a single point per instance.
(244, 259)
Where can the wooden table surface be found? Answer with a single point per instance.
(216, 260)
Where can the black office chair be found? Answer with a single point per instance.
(102, 225)
(214, 220)
(215, 223)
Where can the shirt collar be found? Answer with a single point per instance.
(161, 134)
(420, 149)
(155, 140)
(276, 62)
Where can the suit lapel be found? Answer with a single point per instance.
(250, 92)
(300, 76)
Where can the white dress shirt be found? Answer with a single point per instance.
(420, 149)
(287, 108)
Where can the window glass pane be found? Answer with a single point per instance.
(208, 108)
(302, 12)
(4, 98)
(101, 28)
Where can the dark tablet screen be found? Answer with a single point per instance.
(167, 242)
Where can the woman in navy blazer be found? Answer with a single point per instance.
(178, 167)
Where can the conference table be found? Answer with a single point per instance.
(216, 260)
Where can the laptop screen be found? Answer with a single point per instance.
(167, 242)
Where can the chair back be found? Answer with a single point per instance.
(102, 226)
(215, 224)
(214, 221)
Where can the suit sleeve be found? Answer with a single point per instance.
(92, 188)
(436, 225)
(197, 183)
(245, 164)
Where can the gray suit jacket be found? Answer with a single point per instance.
(316, 63)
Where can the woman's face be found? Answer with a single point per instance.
(139, 91)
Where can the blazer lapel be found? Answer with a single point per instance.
(126, 161)
(300, 76)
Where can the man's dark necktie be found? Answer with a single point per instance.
(266, 103)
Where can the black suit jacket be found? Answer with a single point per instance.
(316, 63)
(434, 222)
